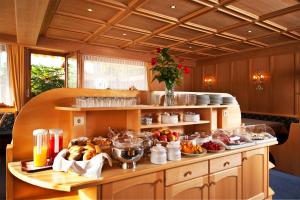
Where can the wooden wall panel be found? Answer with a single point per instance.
(281, 68)
(283, 83)
(260, 99)
(223, 77)
(240, 80)
(297, 82)
(198, 77)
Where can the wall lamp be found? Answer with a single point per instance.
(258, 79)
(209, 81)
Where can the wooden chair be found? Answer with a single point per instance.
(286, 155)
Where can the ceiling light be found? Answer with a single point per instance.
(249, 31)
(124, 34)
(89, 9)
(173, 6)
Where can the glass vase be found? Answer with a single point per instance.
(169, 96)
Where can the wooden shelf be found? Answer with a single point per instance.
(158, 125)
(137, 107)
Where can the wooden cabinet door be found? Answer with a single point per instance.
(193, 189)
(226, 184)
(255, 174)
(150, 186)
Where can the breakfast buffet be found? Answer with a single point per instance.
(91, 144)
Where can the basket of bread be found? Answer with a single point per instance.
(83, 156)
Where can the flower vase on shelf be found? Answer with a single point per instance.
(169, 96)
(166, 69)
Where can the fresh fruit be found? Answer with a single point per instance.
(164, 133)
(171, 137)
(156, 134)
(212, 146)
(190, 148)
(163, 138)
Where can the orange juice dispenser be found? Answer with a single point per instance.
(40, 149)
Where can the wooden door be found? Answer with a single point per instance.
(226, 184)
(193, 189)
(150, 186)
(255, 173)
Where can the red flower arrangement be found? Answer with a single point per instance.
(166, 70)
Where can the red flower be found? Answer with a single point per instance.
(179, 66)
(153, 61)
(186, 70)
(158, 50)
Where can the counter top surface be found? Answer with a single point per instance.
(139, 107)
(69, 181)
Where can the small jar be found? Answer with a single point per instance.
(173, 149)
(158, 155)
(40, 149)
(55, 142)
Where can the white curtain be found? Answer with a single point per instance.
(114, 73)
(5, 90)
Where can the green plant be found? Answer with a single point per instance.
(45, 78)
(165, 69)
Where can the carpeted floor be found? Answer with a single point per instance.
(286, 186)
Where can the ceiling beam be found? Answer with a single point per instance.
(29, 19)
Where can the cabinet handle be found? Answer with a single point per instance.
(187, 173)
(244, 159)
(226, 163)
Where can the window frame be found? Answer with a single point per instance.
(28, 52)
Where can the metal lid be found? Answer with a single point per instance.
(40, 132)
(56, 131)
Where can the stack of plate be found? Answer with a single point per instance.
(228, 100)
(215, 99)
(203, 99)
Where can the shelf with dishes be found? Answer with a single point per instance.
(158, 125)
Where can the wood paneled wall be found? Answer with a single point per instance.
(233, 74)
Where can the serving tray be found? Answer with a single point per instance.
(28, 166)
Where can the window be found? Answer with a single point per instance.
(5, 92)
(47, 72)
(103, 73)
(72, 78)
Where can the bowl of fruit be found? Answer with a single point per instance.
(190, 149)
(213, 146)
(164, 135)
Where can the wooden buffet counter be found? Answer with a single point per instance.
(234, 174)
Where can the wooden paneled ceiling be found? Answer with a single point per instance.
(195, 29)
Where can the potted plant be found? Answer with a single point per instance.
(166, 69)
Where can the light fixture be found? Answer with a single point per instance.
(209, 81)
(173, 6)
(124, 34)
(249, 31)
(258, 79)
(190, 47)
(89, 9)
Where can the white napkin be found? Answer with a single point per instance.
(90, 168)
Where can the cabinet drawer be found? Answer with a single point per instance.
(186, 172)
(226, 162)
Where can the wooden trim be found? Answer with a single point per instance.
(29, 20)
(271, 114)
(52, 8)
